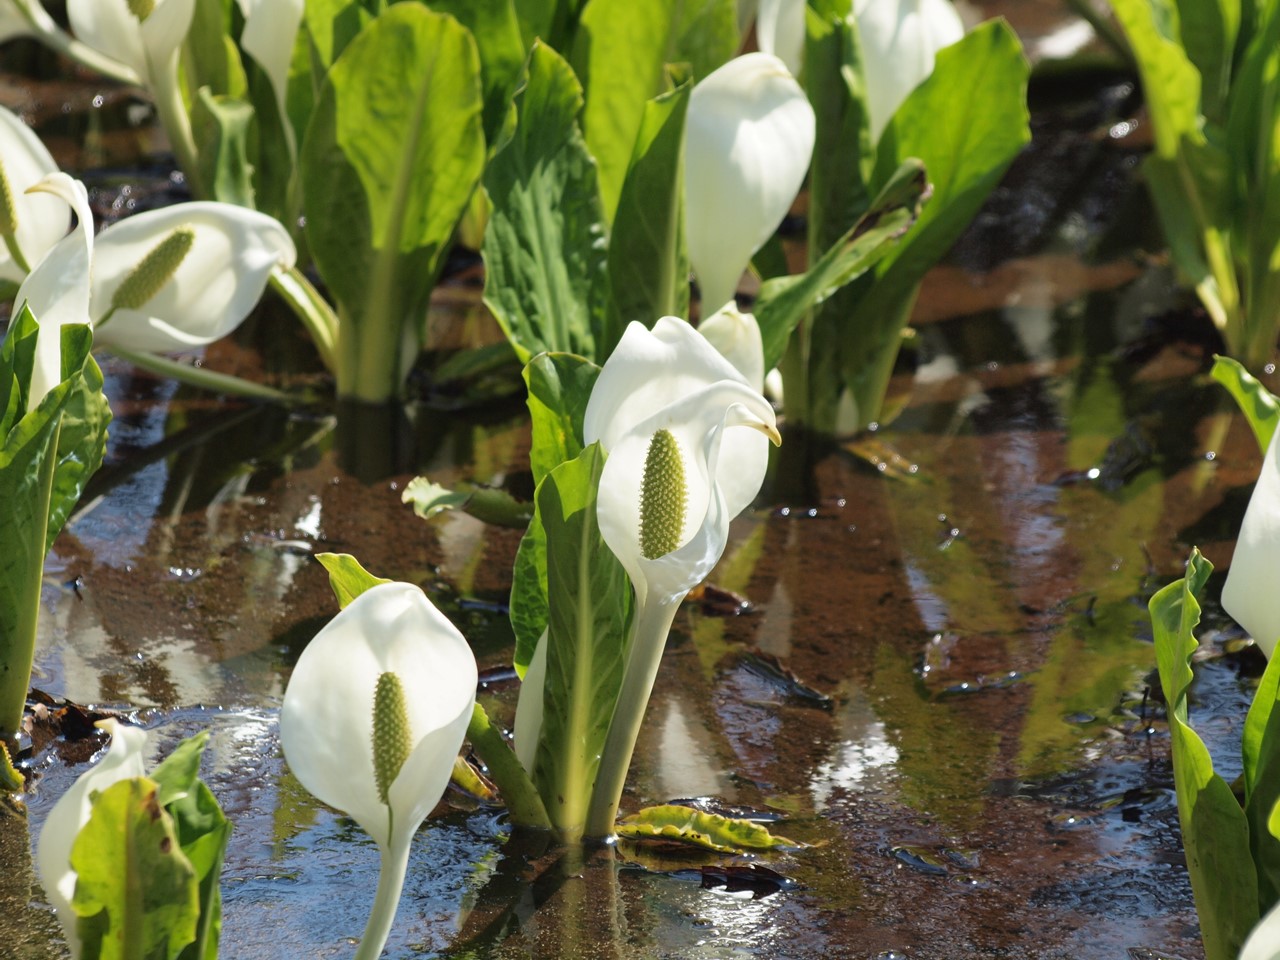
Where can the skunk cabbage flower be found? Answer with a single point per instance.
(687, 442)
(57, 290)
(183, 276)
(899, 41)
(736, 337)
(1250, 594)
(144, 35)
(1264, 941)
(270, 29)
(12, 22)
(123, 761)
(372, 720)
(749, 137)
(29, 223)
(667, 404)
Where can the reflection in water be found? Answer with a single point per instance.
(862, 759)
(685, 757)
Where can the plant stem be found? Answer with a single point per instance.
(523, 803)
(312, 309)
(653, 623)
(395, 864)
(167, 93)
(206, 379)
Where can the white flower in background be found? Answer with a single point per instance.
(160, 281)
(900, 39)
(124, 760)
(145, 35)
(749, 138)
(1264, 941)
(13, 23)
(1250, 593)
(736, 337)
(270, 29)
(372, 720)
(30, 224)
(57, 290)
(780, 31)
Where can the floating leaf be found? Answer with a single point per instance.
(708, 830)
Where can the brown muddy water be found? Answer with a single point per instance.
(942, 682)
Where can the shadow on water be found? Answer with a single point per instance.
(940, 678)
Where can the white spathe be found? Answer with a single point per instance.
(736, 337)
(57, 289)
(326, 720)
(270, 30)
(149, 47)
(41, 218)
(780, 31)
(327, 723)
(1264, 940)
(214, 288)
(1250, 593)
(900, 39)
(124, 760)
(672, 378)
(748, 141)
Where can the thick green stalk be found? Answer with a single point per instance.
(167, 93)
(648, 640)
(395, 864)
(521, 796)
(19, 650)
(312, 309)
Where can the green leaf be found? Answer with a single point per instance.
(1170, 82)
(560, 387)
(966, 122)
(618, 53)
(496, 29)
(333, 24)
(1215, 833)
(82, 436)
(347, 578)
(1260, 748)
(589, 597)
(704, 34)
(708, 830)
(1208, 30)
(1259, 405)
(394, 149)
(487, 504)
(132, 876)
(544, 247)
(220, 125)
(202, 830)
(210, 57)
(648, 264)
(529, 607)
(46, 456)
(783, 301)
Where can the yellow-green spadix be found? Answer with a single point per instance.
(384, 691)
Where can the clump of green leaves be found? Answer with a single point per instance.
(1211, 76)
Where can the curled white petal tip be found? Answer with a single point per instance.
(749, 138)
(900, 39)
(1249, 593)
(57, 289)
(147, 47)
(124, 760)
(780, 31)
(327, 716)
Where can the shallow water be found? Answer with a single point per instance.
(958, 717)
